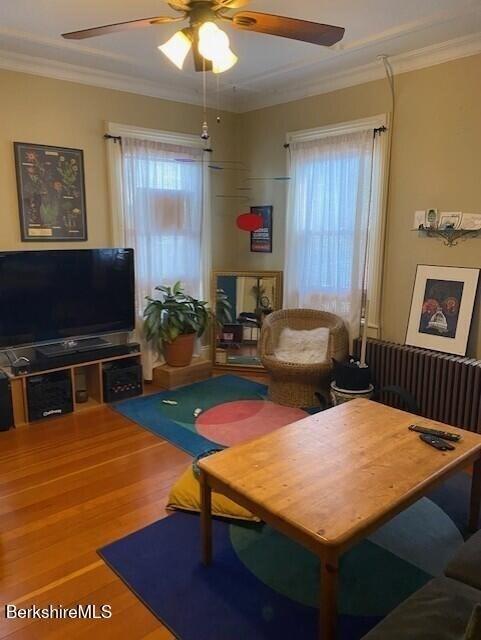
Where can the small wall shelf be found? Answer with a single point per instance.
(450, 236)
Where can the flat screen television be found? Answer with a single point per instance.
(49, 296)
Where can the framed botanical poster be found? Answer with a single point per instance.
(51, 193)
(261, 240)
(442, 308)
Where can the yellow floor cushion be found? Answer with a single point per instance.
(185, 495)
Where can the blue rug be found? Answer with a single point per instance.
(263, 586)
(176, 423)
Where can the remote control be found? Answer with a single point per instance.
(436, 442)
(445, 435)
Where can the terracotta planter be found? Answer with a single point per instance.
(179, 352)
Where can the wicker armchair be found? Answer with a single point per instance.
(295, 384)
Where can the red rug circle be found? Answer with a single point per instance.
(235, 422)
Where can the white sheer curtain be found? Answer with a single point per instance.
(163, 205)
(327, 220)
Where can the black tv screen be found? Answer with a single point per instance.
(48, 296)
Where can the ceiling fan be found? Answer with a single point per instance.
(209, 43)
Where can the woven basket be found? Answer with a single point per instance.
(295, 384)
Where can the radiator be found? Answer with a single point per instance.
(446, 387)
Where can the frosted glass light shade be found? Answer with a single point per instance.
(224, 62)
(177, 48)
(213, 42)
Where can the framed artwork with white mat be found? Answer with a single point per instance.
(442, 308)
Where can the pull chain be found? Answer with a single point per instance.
(205, 127)
(218, 99)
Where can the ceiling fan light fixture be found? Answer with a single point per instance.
(224, 62)
(210, 44)
(213, 42)
(177, 48)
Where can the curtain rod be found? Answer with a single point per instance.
(376, 131)
(379, 130)
(118, 139)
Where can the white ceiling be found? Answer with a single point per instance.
(269, 70)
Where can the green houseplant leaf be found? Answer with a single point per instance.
(223, 310)
(172, 314)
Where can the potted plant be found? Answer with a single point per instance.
(172, 323)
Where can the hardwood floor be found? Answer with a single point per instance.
(67, 487)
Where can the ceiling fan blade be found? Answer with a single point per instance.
(303, 30)
(119, 26)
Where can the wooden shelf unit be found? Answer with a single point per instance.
(91, 370)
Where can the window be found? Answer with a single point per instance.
(164, 188)
(334, 219)
(159, 208)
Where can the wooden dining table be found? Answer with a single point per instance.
(329, 480)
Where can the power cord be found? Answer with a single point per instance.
(13, 359)
(384, 59)
(390, 77)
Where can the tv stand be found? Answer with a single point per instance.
(87, 376)
(70, 346)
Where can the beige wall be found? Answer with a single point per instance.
(46, 111)
(436, 162)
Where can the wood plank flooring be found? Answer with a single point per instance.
(67, 487)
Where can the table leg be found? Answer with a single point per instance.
(205, 518)
(475, 506)
(328, 602)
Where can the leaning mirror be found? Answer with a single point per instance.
(243, 300)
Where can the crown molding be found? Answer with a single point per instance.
(251, 100)
(403, 63)
(94, 77)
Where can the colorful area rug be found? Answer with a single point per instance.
(263, 586)
(233, 410)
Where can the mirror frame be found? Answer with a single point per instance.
(277, 304)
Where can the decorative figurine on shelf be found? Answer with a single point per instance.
(432, 218)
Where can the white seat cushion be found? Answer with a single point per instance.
(303, 346)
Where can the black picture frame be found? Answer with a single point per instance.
(51, 193)
(261, 240)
